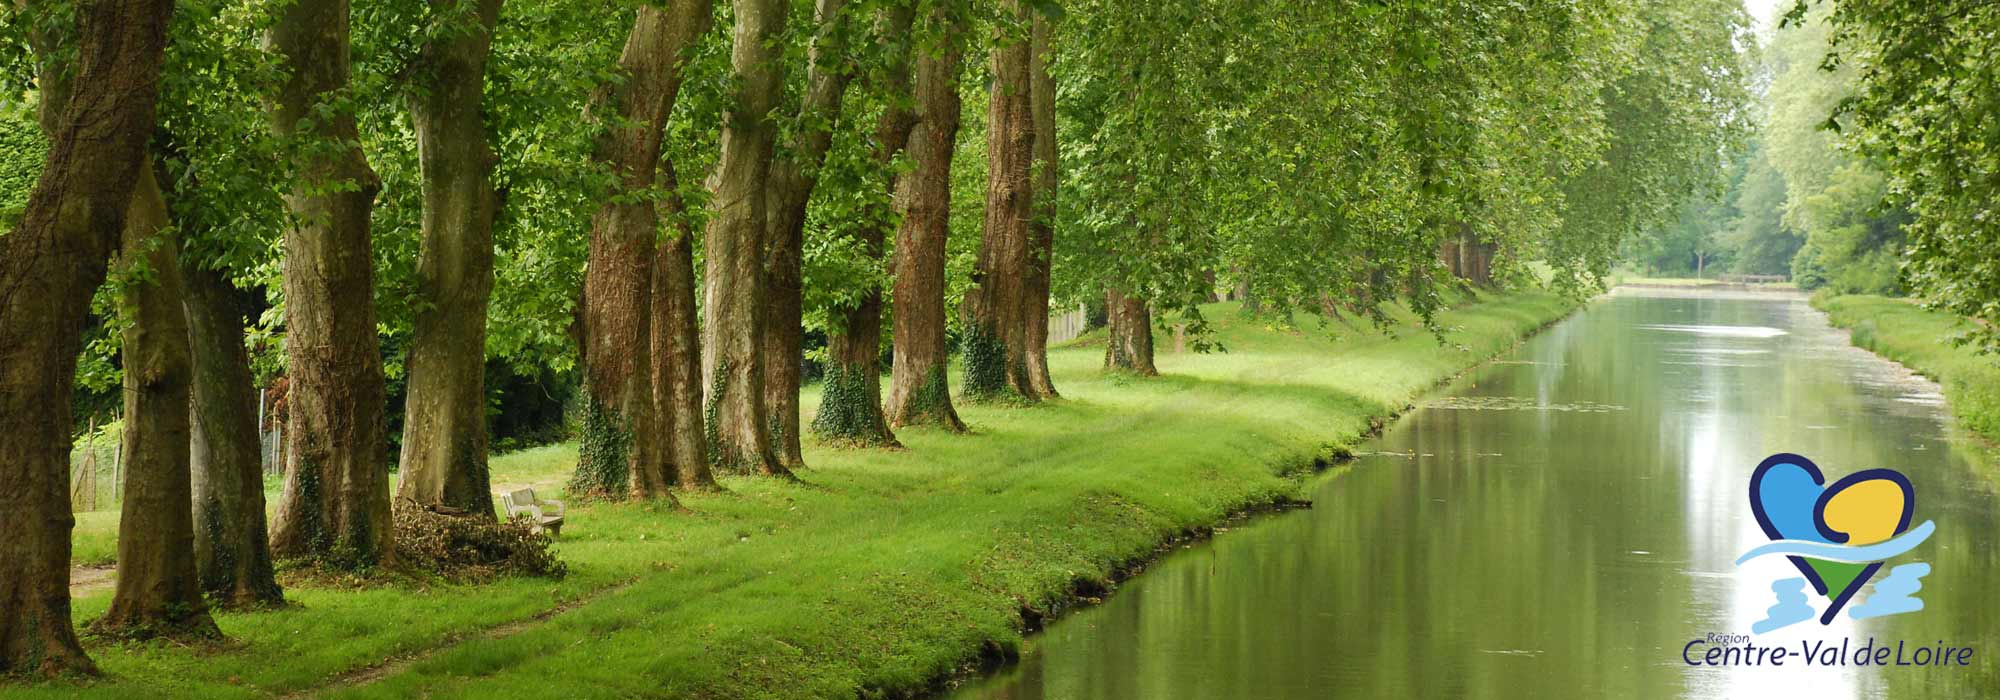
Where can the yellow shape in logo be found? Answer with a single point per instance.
(1868, 511)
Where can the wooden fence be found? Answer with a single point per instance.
(1753, 279)
(1067, 325)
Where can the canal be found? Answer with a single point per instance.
(1561, 523)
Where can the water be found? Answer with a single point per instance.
(1560, 524)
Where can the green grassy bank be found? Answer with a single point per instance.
(1919, 339)
(884, 571)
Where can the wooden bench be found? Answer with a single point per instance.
(523, 502)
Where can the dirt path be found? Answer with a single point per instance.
(391, 666)
(85, 580)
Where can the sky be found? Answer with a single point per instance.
(1765, 12)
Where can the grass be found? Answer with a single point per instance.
(885, 571)
(1919, 339)
(94, 542)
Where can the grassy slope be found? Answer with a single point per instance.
(1911, 335)
(887, 571)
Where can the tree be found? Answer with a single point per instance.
(1669, 117)
(996, 332)
(920, 392)
(732, 350)
(1764, 244)
(1041, 241)
(335, 502)
(621, 450)
(677, 346)
(792, 179)
(444, 423)
(49, 266)
(1927, 109)
(232, 548)
(850, 408)
(1129, 343)
(1689, 244)
(1149, 84)
(221, 172)
(158, 593)
(1835, 196)
(677, 378)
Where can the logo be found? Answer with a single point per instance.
(1837, 537)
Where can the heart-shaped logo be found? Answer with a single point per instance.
(1791, 500)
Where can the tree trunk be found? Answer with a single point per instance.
(1042, 232)
(996, 333)
(732, 350)
(1130, 345)
(158, 593)
(677, 347)
(791, 188)
(335, 504)
(232, 548)
(50, 264)
(1245, 292)
(444, 425)
(921, 393)
(850, 408)
(1468, 253)
(621, 450)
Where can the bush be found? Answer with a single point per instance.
(470, 549)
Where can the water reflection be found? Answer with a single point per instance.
(1496, 545)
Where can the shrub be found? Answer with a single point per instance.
(467, 548)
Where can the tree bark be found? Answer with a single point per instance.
(1247, 292)
(444, 425)
(677, 347)
(921, 393)
(996, 339)
(335, 503)
(1468, 253)
(1475, 257)
(850, 409)
(50, 264)
(622, 451)
(732, 351)
(157, 593)
(793, 178)
(232, 548)
(1041, 230)
(1471, 251)
(1129, 347)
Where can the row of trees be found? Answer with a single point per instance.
(1925, 109)
(402, 193)
(1862, 178)
(1800, 200)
